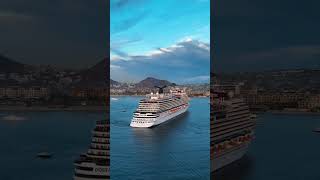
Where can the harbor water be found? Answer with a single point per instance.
(285, 148)
(175, 150)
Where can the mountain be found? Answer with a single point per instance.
(96, 76)
(152, 82)
(97, 72)
(8, 65)
(114, 83)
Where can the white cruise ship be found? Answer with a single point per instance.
(160, 107)
(232, 128)
(95, 164)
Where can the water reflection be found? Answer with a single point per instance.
(238, 170)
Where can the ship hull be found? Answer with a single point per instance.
(97, 172)
(229, 157)
(165, 116)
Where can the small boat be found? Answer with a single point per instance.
(44, 155)
(13, 118)
(317, 130)
(114, 99)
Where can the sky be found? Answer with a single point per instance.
(65, 33)
(248, 35)
(167, 39)
(265, 35)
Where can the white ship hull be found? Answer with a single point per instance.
(97, 172)
(228, 157)
(165, 116)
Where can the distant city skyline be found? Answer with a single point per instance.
(161, 39)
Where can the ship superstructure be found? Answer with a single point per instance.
(95, 164)
(160, 107)
(232, 127)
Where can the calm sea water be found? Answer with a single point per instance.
(285, 148)
(65, 134)
(176, 150)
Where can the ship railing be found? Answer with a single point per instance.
(99, 153)
(101, 135)
(103, 148)
(103, 129)
(100, 162)
(100, 142)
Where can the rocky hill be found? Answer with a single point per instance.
(152, 82)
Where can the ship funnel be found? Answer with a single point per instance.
(160, 89)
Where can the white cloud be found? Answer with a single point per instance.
(114, 67)
(115, 57)
(186, 39)
(202, 79)
(188, 58)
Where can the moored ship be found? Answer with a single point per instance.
(159, 107)
(232, 127)
(94, 165)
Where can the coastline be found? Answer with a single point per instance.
(49, 109)
(287, 112)
(126, 95)
(294, 112)
(145, 95)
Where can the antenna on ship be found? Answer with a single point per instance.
(160, 89)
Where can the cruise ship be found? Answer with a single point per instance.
(160, 107)
(232, 127)
(95, 164)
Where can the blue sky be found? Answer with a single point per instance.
(166, 39)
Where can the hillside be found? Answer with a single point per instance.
(152, 82)
(8, 65)
(114, 83)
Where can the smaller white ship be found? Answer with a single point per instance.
(94, 165)
(114, 99)
(13, 118)
(44, 155)
(317, 130)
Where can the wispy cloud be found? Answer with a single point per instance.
(197, 79)
(117, 45)
(128, 23)
(118, 4)
(120, 54)
(114, 67)
(121, 3)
